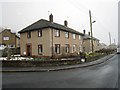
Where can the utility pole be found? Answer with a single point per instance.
(91, 31)
(114, 41)
(110, 38)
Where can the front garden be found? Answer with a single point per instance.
(18, 61)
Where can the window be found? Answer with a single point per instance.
(74, 48)
(67, 34)
(39, 33)
(80, 48)
(67, 48)
(57, 33)
(79, 37)
(29, 35)
(40, 49)
(11, 46)
(57, 48)
(74, 36)
(5, 38)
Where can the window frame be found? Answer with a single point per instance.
(79, 37)
(6, 38)
(28, 34)
(40, 51)
(66, 34)
(39, 33)
(74, 49)
(74, 36)
(57, 33)
(57, 48)
(67, 48)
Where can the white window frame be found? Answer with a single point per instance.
(79, 37)
(57, 33)
(6, 38)
(74, 48)
(66, 34)
(57, 48)
(74, 36)
(28, 34)
(39, 33)
(67, 48)
(40, 49)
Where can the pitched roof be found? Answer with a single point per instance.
(47, 24)
(89, 37)
(10, 32)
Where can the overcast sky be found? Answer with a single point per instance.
(17, 14)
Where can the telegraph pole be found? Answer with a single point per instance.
(110, 38)
(91, 31)
(114, 41)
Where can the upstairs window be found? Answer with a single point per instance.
(57, 33)
(40, 49)
(29, 35)
(5, 38)
(66, 34)
(74, 36)
(57, 48)
(39, 33)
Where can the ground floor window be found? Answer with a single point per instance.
(11, 46)
(40, 49)
(67, 48)
(57, 48)
(74, 48)
(80, 48)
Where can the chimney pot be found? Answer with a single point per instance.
(65, 23)
(51, 18)
(89, 33)
(84, 32)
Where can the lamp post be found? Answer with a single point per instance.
(91, 30)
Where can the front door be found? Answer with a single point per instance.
(28, 50)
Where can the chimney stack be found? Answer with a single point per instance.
(51, 18)
(89, 33)
(65, 23)
(84, 32)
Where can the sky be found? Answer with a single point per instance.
(18, 14)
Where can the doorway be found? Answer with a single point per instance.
(28, 48)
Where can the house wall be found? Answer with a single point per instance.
(62, 40)
(88, 47)
(35, 41)
(48, 41)
(17, 42)
(96, 45)
(7, 33)
(0, 38)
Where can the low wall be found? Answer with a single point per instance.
(38, 63)
(55, 62)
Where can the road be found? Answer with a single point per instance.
(104, 75)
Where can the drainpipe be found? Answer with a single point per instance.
(52, 41)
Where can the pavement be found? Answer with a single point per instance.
(56, 68)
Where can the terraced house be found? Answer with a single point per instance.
(87, 46)
(46, 39)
